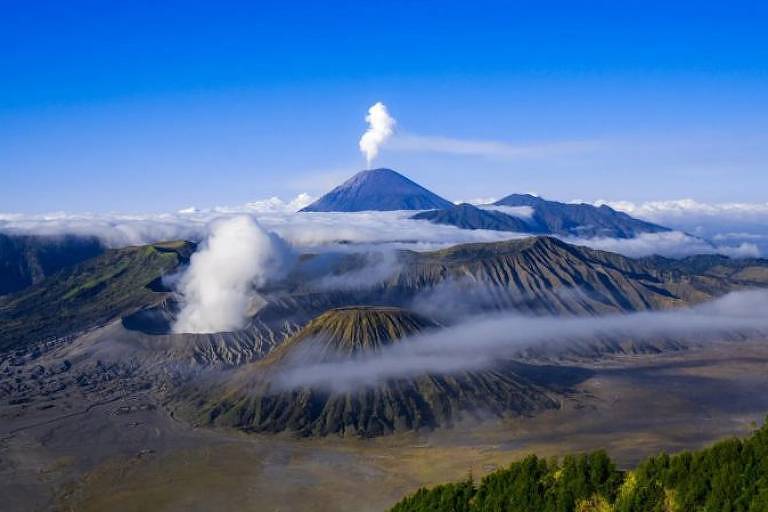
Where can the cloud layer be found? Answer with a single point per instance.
(735, 224)
(735, 230)
(484, 342)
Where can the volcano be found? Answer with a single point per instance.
(425, 401)
(379, 190)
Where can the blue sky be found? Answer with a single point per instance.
(152, 106)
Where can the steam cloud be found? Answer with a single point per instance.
(380, 128)
(219, 287)
(481, 343)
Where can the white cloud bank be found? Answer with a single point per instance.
(738, 230)
(672, 244)
(524, 212)
(687, 208)
(744, 226)
(357, 231)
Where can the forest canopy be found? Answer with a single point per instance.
(730, 476)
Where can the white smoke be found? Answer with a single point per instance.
(219, 286)
(380, 128)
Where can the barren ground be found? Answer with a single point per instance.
(125, 453)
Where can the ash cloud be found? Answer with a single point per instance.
(484, 342)
(218, 289)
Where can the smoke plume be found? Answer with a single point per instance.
(219, 287)
(380, 128)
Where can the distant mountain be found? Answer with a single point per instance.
(579, 219)
(546, 217)
(467, 216)
(28, 259)
(378, 189)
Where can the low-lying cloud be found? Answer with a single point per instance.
(372, 269)
(524, 212)
(218, 289)
(673, 244)
(485, 342)
(733, 224)
(363, 231)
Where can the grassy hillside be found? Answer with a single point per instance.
(88, 294)
(731, 476)
(28, 259)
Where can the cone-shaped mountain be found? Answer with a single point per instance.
(357, 329)
(408, 403)
(378, 189)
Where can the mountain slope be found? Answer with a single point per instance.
(579, 219)
(467, 216)
(547, 217)
(89, 294)
(377, 189)
(28, 259)
(539, 275)
(251, 400)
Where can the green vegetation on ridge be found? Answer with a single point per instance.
(88, 294)
(730, 476)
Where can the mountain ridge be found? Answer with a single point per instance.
(547, 217)
(27, 259)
